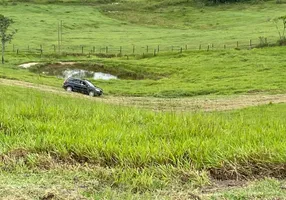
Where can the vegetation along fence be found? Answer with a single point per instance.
(111, 51)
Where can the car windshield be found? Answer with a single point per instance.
(90, 84)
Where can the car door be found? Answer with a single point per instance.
(84, 88)
(77, 85)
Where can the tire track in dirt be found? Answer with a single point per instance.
(163, 104)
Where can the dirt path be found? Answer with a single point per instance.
(163, 104)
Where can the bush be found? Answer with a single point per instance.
(281, 42)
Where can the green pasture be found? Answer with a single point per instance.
(140, 24)
(168, 74)
(135, 150)
(175, 27)
(186, 74)
(120, 136)
(87, 148)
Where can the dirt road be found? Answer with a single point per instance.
(164, 104)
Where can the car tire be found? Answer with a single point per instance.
(69, 89)
(91, 93)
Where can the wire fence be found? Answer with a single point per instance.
(129, 50)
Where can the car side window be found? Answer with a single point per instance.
(84, 83)
(76, 82)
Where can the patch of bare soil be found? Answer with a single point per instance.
(249, 170)
(74, 187)
(28, 191)
(47, 188)
(218, 186)
(163, 104)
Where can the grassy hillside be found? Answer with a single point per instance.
(167, 24)
(173, 75)
(62, 147)
(141, 25)
(97, 133)
(135, 150)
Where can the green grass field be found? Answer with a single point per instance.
(145, 150)
(56, 146)
(169, 74)
(175, 75)
(128, 24)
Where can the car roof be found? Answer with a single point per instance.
(72, 78)
(76, 79)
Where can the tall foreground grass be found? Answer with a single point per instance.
(115, 136)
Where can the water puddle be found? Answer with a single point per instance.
(103, 76)
(28, 65)
(80, 73)
(96, 71)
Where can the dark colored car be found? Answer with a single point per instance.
(82, 86)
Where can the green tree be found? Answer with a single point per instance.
(5, 36)
(281, 32)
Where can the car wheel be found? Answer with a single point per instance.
(69, 89)
(91, 93)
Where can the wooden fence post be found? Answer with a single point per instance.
(181, 50)
(106, 49)
(208, 47)
(154, 52)
(200, 47)
(120, 50)
(250, 44)
(147, 48)
(237, 44)
(158, 49)
(41, 50)
(133, 49)
(265, 40)
(82, 49)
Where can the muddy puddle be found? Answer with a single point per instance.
(80, 73)
(28, 65)
(96, 71)
(66, 70)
